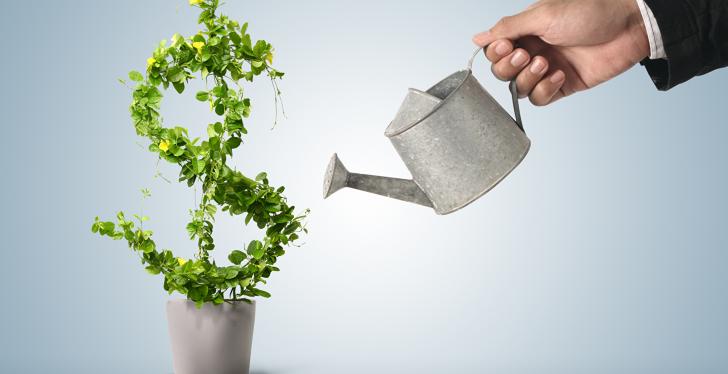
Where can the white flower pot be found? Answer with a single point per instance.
(215, 339)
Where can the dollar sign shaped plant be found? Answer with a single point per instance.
(223, 55)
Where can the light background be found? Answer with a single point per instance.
(605, 252)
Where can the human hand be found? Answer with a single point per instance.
(565, 46)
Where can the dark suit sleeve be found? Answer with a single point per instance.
(695, 36)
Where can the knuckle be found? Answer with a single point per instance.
(503, 23)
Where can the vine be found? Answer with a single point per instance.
(224, 54)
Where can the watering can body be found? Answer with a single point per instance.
(456, 140)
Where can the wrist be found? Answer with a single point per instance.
(637, 30)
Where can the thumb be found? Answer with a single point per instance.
(528, 22)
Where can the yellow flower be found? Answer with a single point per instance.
(164, 145)
(198, 46)
(150, 62)
(195, 2)
(269, 57)
(181, 261)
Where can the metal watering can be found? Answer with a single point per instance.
(456, 140)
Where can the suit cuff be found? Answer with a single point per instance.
(654, 36)
(681, 43)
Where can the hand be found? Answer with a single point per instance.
(565, 46)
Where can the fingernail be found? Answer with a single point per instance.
(519, 59)
(537, 66)
(502, 48)
(558, 77)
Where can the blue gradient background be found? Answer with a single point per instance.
(605, 252)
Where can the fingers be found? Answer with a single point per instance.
(531, 75)
(528, 22)
(511, 65)
(548, 89)
(498, 49)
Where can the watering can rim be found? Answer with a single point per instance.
(392, 133)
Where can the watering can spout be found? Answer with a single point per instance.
(337, 177)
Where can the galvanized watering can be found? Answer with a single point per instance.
(455, 139)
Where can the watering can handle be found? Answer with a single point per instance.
(512, 87)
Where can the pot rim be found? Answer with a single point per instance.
(176, 301)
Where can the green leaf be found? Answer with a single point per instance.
(211, 130)
(219, 109)
(237, 257)
(219, 128)
(204, 16)
(147, 246)
(194, 294)
(203, 96)
(234, 125)
(136, 76)
(220, 91)
(176, 74)
(255, 249)
(231, 273)
(260, 47)
(178, 86)
(177, 39)
(234, 37)
(261, 177)
(203, 291)
(260, 293)
(177, 151)
(198, 166)
(106, 228)
(233, 142)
